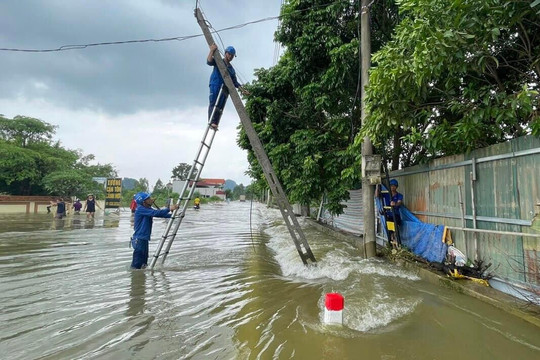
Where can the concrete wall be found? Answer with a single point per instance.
(33, 204)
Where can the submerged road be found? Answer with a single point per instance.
(230, 289)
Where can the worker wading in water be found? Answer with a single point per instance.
(143, 227)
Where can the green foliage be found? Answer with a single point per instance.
(32, 164)
(138, 186)
(181, 171)
(17, 164)
(457, 75)
(22, 130)
(69, 183)
(306, 108)
(237, 191)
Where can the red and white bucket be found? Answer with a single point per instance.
(333, 308)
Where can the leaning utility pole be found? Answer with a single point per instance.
(285, 208)
(368, 190)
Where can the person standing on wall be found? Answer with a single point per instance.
(143, 227)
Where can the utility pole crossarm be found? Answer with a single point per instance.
(283, 203)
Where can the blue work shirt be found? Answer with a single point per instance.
(388, 197)
(143, 221)
(216, 80)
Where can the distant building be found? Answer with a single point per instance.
(206, 187)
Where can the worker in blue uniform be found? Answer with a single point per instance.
(143, 227)
(391, 202)
(395, 200)
(217, 98)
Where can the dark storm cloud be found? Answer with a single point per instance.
(118, 78)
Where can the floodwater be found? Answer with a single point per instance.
(233, 287)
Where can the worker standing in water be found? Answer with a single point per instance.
(143, 227)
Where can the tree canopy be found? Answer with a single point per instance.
(31, 163)
(447, 77)
(457, 75)
(181, 171)
(306, 108)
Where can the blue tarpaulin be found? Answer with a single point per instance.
(423, 239)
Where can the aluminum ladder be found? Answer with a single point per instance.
(169, 234)
(289, 217)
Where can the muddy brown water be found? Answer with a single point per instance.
(233, 287)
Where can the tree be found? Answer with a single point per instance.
(68, 183)
(457, 76)
(159, 186)
(23, 130)
(237, 191)
(306, 109)
(32, 164)
(181, 171)
(142, 185)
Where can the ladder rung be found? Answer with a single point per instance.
(198, 162)
(205, 144)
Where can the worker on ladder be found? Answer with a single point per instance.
(218, 91)
(391, 210)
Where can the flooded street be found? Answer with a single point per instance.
(233, 287)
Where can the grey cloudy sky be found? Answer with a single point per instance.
(139, 106)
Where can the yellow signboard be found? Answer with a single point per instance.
(114, 193)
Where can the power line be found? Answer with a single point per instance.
(84, 46)
(176, 38)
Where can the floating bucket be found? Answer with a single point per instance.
(333, 309)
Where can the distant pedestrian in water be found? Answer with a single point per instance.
(133, 205)
(143, 227)
(77, 206)
(90, 206)
(60, 208)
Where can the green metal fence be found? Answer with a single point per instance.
(489, 198)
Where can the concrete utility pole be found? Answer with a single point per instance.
(368, 190)
(282, 201)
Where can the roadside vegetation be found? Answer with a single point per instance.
(31, 163)
(447, 77)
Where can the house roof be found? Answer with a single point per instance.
(214, 181)
(209, 183)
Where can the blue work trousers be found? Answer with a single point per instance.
(140, 253)
(219, 104)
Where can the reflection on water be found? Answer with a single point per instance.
(227, 291)
(137, 293)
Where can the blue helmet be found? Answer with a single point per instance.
(394, 182)
(230, 50)
(140, 197)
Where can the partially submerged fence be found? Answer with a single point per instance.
(489, 198)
